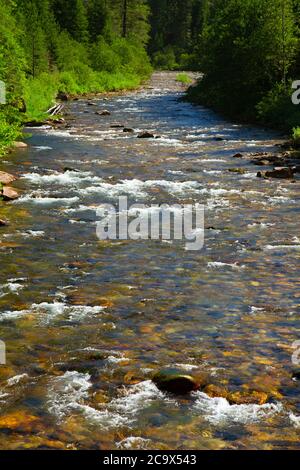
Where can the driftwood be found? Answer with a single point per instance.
(56, 109)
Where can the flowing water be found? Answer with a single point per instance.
(86, 322)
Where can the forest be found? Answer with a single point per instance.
(248, 51)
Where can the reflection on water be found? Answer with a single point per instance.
(87, 322)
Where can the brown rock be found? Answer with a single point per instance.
(280, 173)
(128, 130)
(238, 155)
(6, 178)
(146, 135)
(20, 145)
(3, 223)
(9, 194)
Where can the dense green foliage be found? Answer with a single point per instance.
(249, 52)
(72, 46)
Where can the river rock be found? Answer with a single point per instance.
(146, 135)
(20, 145)
(296, 374)
(6, 178)
(174, 381)
(103, 113)
(9, 194)
(280, 173)
(128, 130)
(237, 155)
(3, 223)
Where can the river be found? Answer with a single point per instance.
(87, 322)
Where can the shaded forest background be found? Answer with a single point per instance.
(248, 50)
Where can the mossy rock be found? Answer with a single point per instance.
(175, 381)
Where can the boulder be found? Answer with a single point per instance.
(280, 173)
(20, 145)
(128, 130)
(146, 135)
(6, 178)
(9, 194)
(176, 382)
(237, 155)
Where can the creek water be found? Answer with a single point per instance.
(86, 322)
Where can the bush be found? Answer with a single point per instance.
(165, 59)
(277, 109)
(184, 78)
(296, 137)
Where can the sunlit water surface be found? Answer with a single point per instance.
(87, 322)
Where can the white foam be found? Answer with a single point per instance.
(218, 264)
(63, 179)
(42, 147)
(254, 310)
(47, 201)
(49, 311)
(67, 392)
(10, 288)
(17, 379)
(218, 411)
(295, 420)
(282, 247)
(137, 443)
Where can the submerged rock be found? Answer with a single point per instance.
(128, 130)
(19, 421)
(174, 381)
(146, 135)
(248, 398)
(6, 178)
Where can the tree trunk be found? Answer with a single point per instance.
(125, 7)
